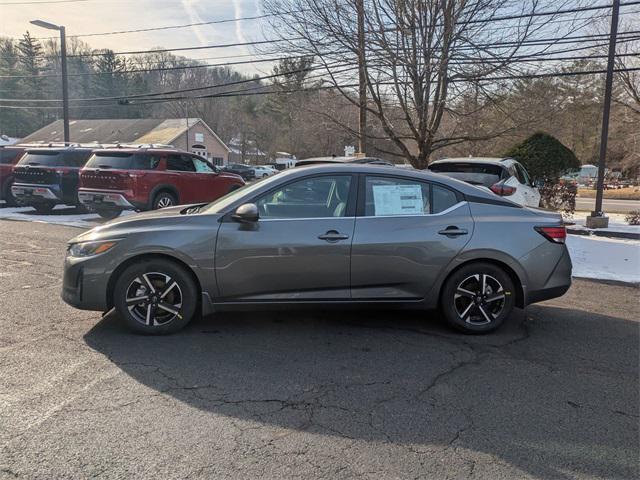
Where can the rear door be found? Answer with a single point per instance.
(182, 174)
(299, 249)
(406, 232)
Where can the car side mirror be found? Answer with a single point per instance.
(246, 213)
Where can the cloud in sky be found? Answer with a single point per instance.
(103, 16)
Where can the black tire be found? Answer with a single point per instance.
(183, 298)
(110, 213)
(484, 311)
(10, 200)
(164, 200)
(44, 208)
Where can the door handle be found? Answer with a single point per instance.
(453, 231)
(333, 236)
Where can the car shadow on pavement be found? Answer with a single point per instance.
(546, 394)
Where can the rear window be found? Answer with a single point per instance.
(123, 161)
(8, 156)
(476, 174)
(55, 158)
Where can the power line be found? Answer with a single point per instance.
(246, 92)
(456, 61)
(546, 13)
(43, 3)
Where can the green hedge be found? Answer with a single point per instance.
(544, 157)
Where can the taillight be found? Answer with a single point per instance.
(553, 234)
(502, 189)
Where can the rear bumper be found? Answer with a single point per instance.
(557, 283)
(28, 194)
(97, 199)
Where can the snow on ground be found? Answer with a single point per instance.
(61, 215)
(617, 223)
(605, 258)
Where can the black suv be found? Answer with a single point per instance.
(47, 176)
(245, 171)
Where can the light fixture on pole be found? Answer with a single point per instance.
(63, 64)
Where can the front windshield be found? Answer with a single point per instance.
(222, 203)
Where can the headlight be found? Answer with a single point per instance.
(88, 249)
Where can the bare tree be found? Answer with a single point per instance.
(421, 56)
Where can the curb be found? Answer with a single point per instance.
(599, 233)
(617, 283)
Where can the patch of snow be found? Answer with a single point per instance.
(605, 258)
(617, 223)
(59, 216)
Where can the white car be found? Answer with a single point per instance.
(503, 176)
(263, 171)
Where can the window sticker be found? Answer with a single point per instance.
(398, 200)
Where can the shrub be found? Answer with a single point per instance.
(559, 196)
(544, 157)
(547, 159)
(633, 217)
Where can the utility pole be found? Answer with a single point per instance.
(63, 64)
(362, 89)
(597, 218)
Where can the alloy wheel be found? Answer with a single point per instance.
(164, 202)
(154, 299)
(479, 299)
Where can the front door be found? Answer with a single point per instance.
(299, 249)
(409, 231)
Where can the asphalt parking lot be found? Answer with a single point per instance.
(335, 394)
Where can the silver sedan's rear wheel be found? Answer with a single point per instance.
(478, 298)
(156, 297)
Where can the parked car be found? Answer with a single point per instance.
(503, 176)
(48, 176)
(262, 171)
(360, 160)
(9, 156)
(147, 178)
(245, 171)
(324, 236)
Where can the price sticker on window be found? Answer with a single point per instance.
(398, 200)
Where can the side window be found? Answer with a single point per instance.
(443, 198)
(180, 163)
(387, 196)
(517, 172)
(523, 173)
(145, 162)
(202, 166)
(315, 197)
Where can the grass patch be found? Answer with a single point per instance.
(629, 193)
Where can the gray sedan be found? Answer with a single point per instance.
(324, 235)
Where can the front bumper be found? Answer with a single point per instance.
(29, 194)
(97, 199)
(84, 283)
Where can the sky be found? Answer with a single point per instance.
(95, 16)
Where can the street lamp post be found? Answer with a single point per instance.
(63, 64)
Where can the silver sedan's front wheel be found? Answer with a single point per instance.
(477, 298)
(156, 296)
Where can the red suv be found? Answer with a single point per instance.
(9, 156)
(146, 178)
